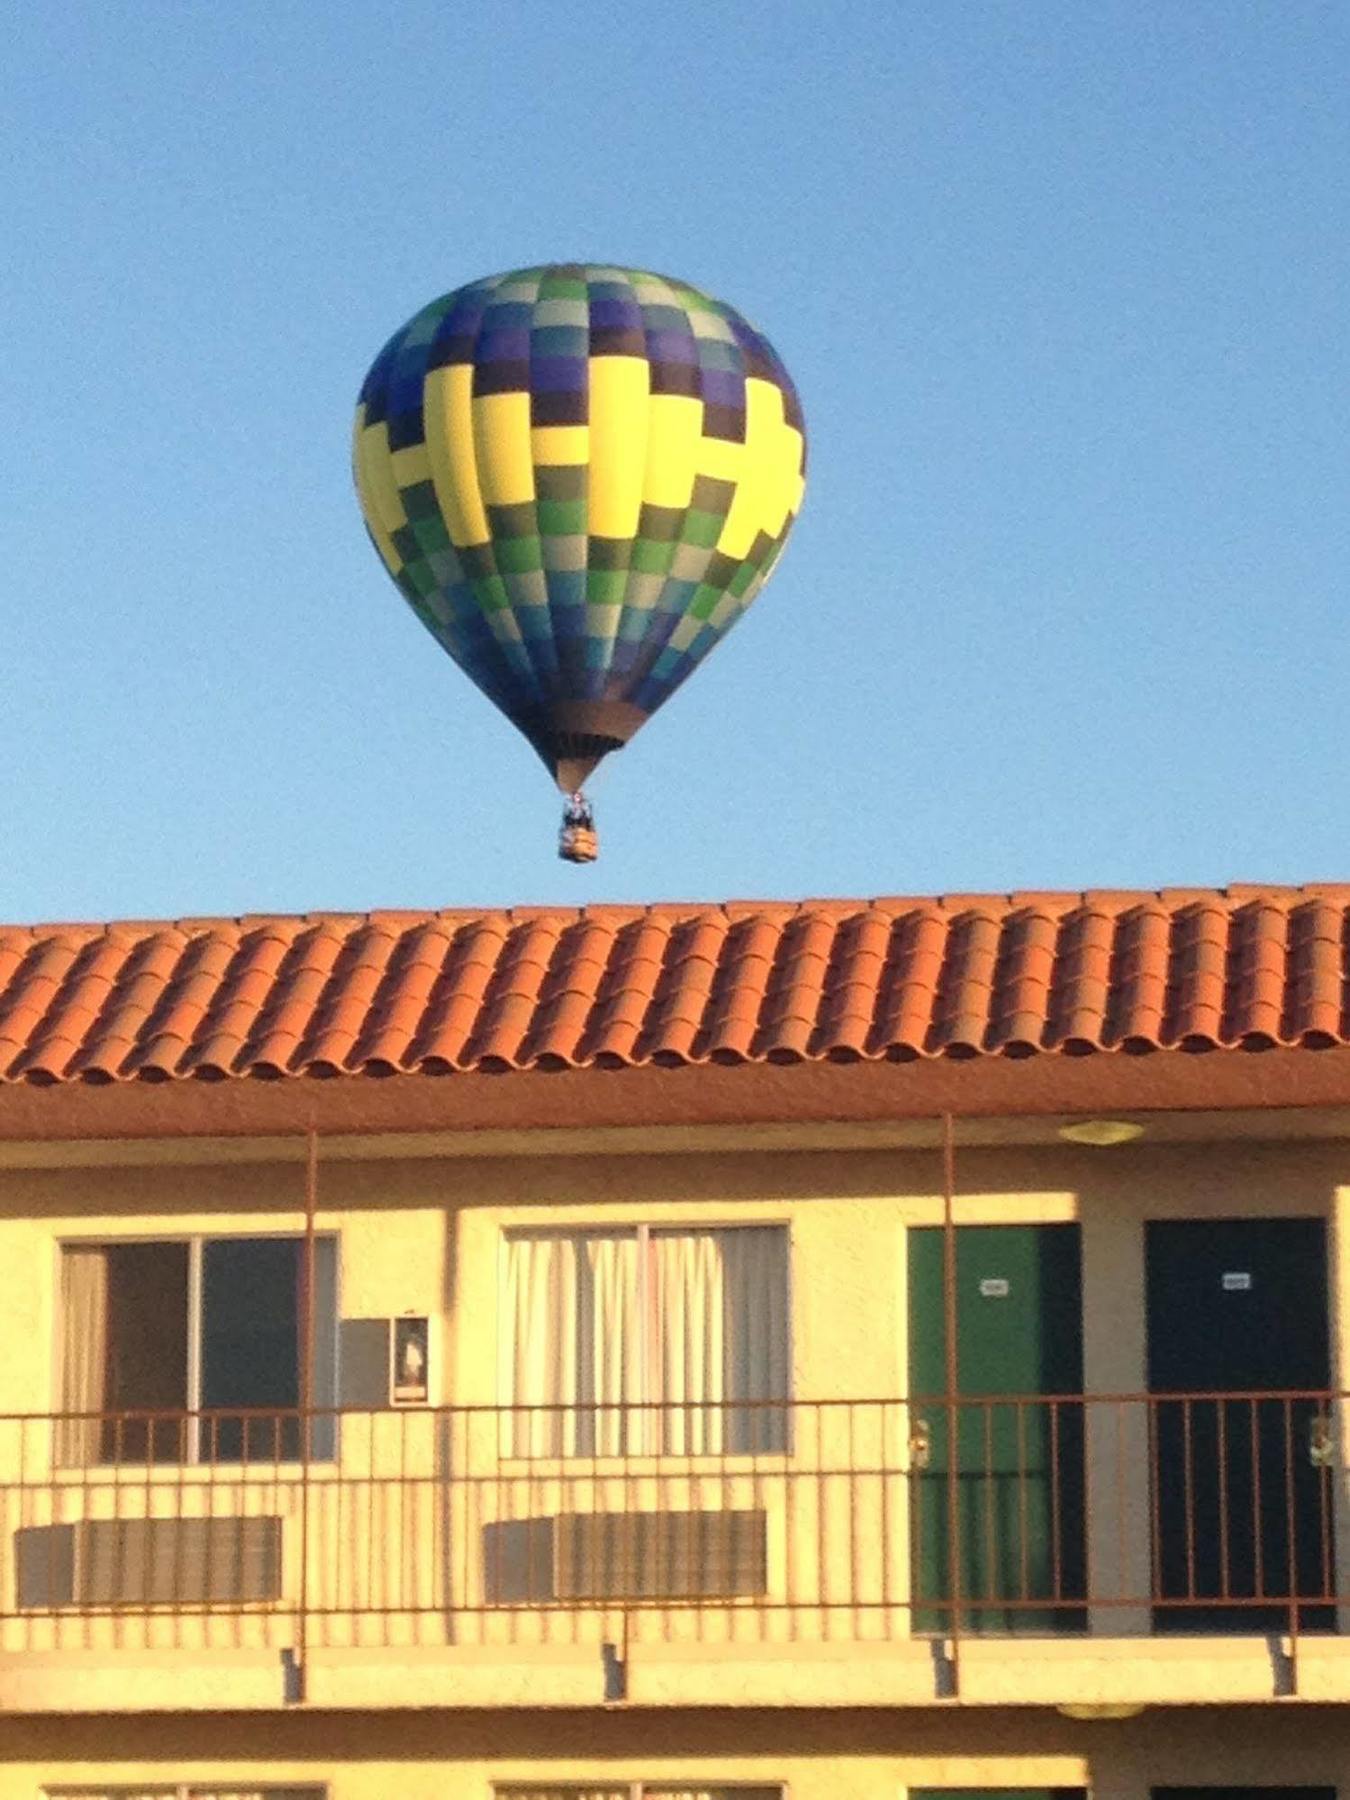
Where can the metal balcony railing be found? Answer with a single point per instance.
(741, 1522)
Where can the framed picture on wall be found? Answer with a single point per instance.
(409, 1360)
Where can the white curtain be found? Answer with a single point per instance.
(722, 1337)
(571, 1344)
(584, 1335)
(124, 1793)
(127, 1793)
(758, 1354)
(688, 1269)
(254, 1793)
(241, 1793)
(711, 1793)
(84, 1352)
(622, 1792)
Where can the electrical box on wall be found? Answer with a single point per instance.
(410, 1360)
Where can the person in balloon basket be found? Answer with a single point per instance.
(577, 840)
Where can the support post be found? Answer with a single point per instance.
(306, 1323)
(952, 1376)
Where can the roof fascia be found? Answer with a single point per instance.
(702, 1094)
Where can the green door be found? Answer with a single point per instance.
(1242, 1457)
(1019, 1485)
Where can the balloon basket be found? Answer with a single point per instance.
(578, 840)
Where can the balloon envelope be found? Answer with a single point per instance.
(580, 477)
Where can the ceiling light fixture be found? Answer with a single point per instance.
(1100, 1132)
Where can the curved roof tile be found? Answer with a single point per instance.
(613, 987)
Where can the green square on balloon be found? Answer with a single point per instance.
(419, 501)
(490, 593)
(650, 558)
(430, 534)
(561, 518)
(518, 556)
(563, 287)
(701, 528)
(604, 587)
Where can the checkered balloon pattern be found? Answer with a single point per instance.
(579, 477)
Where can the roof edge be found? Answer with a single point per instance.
(703, 1094)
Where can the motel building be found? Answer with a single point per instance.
(856, 1350)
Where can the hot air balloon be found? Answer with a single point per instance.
(579, 477)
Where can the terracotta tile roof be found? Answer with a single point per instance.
(611, 986)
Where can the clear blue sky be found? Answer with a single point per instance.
(1064, 287)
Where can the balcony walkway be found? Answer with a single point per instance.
(1111, 1551)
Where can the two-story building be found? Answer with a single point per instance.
(846, 1351)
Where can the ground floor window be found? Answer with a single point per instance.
(636, 1790)
(168, 1347)
(187, 1791)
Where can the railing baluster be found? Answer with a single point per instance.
(1056, 1533)
(1221, 1420)
(1290, 1526)
(1324, 1500)
(1188, 1490)
(454, 1520)
(1156, 1572)
(988, 1485)
(1258, 1536)
(1023, 1506)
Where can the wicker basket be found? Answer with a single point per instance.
(578, 843)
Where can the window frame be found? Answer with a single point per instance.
(638, 1788)
(643, 1230)
(194, 1414)
(190, 1790)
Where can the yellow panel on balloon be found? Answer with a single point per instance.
(764, 490)
(447, 404)
(721, 458)
(501, 431)
(560, 446)
(674, 429)
(378, 490)
(619, 402)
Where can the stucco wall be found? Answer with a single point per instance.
(424, 1236)
(853, 1756)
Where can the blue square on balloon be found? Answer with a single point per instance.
(671, 346)
(406, 429)
(569, 631)
(567, 600)
(509, 315)
(619, 312)
(559, 340)
(676, 595)
(496, 345)
(557, 374)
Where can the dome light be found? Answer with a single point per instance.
(1106, 1709)
(1101, 1132)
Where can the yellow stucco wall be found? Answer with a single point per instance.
(424, 1236)
(851, 1756)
